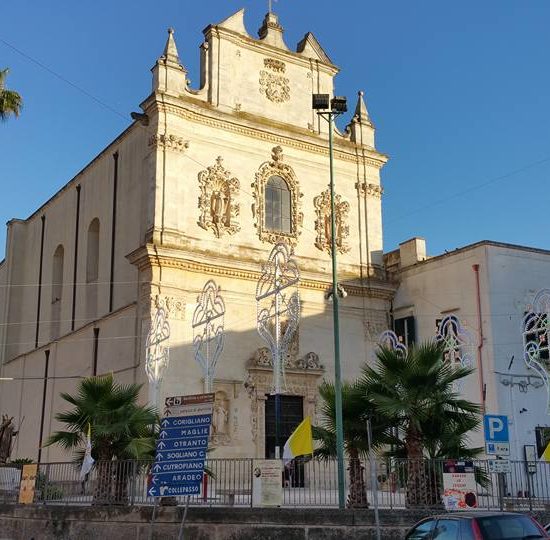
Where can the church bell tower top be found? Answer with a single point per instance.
(271, 31)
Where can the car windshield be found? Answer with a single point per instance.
(508, 528)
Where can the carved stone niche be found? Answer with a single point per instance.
(217, 201)
(323, 223)
(302, 375)
(221, 419)
(277, 167)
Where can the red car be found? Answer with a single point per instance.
(478, 526)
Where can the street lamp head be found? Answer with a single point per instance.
(339, 104)
(320, 101)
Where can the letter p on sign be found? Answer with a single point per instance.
(496, 428)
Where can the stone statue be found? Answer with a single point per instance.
(220, 418)
(219, 205)
(7, 433)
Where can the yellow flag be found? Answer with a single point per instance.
(546, 454)
(300, 443)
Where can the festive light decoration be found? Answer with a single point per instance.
(208, 331)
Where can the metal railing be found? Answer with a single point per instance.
(399, 484)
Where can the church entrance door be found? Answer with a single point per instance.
(292, 413)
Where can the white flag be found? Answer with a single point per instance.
(88, 461)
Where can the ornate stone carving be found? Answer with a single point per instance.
(262, 359)
(217, 201)
(274, 86)
(372, 190)
(323, 225)
(277, 167)
(275, 65)
(168, 142)
(174, 307)
(309, 361)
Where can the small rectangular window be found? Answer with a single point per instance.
(405, 330)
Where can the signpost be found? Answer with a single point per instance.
(500, 466)
(497, 443)
(181, 446)
(497, 437)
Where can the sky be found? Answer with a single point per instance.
(458, 92)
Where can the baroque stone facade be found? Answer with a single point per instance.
(159, 213)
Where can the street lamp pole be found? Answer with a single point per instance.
(329, 109)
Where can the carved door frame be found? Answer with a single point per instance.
(299, 382)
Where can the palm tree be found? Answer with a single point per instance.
(10, 100)
(355, 411)
(120, 430)
(416, 392)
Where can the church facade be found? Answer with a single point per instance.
(189, 201)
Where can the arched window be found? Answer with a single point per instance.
(92, 269)
(92, 254)
(278, 205)
(57, 290)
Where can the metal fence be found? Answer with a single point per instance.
(313, 483)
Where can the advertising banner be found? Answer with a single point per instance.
(459, 485)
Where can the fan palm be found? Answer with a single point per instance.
(121, 429)
(10, 100)
(416, 392)
(355, 411)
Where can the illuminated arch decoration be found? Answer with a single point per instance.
(390, 340)
(536, 335)
(457, 343)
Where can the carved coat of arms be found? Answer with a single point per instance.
(274, 86)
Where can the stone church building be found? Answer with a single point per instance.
(201, 186)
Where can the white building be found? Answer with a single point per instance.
(476, 298)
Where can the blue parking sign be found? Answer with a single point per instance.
(496, 428)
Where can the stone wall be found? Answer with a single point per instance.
(86, 523)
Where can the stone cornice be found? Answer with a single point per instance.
(151, 256)
(253, 126)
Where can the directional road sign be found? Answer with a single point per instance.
(181, 446)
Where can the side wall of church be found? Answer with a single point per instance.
(71, 353)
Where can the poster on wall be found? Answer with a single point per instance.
(267, 483)
(459, 485)
(28, 481)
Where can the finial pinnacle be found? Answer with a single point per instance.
(170, 30)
